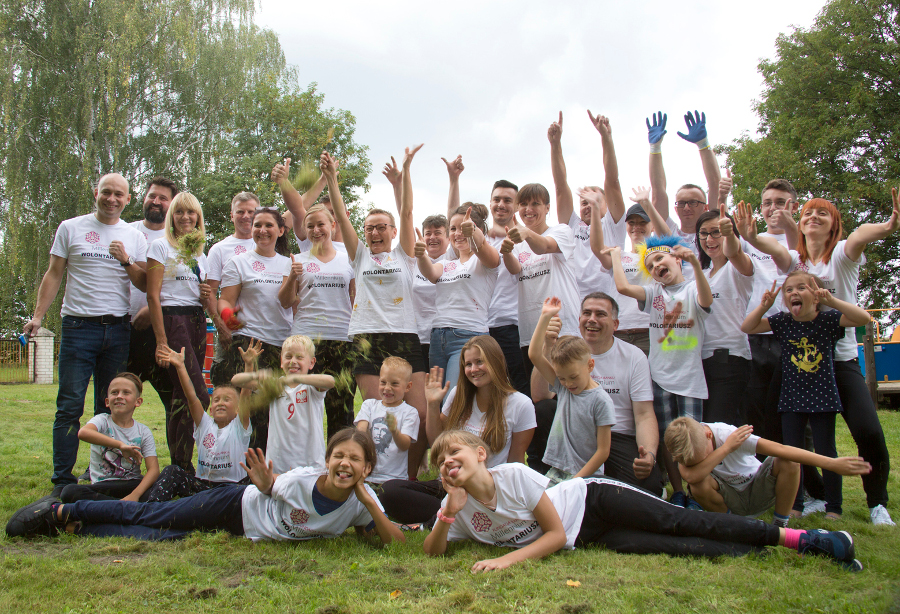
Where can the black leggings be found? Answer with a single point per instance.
(628, 520)
(410, 502)
(822, 425)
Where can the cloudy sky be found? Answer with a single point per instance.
(486, 79)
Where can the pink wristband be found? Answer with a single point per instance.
(442, 518)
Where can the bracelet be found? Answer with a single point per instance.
(656, 147)
(446, 519)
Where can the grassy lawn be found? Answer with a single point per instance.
(215, 572)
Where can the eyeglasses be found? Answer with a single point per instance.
(778, 204)
(378, 227)
(715, 234)
(275, 209)
(693, 204)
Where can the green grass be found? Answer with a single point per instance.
(215, 572)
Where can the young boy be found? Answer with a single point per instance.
(579, 439)
(296, 416)
(718, 461)
(393, 423)
(222, 436)
(118, 444)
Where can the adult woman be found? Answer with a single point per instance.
(250, 284)
(464, 286)
(383, 322)
(176, 296)
(836, 262)
(321, 284)
(483, 403)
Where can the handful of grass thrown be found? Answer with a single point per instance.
(187, 247)
(308, 170)
(268, 388)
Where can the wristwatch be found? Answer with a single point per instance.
(128, 262)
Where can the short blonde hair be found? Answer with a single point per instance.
(569, 349)
(381, 212)
(398, 364)
(243, 197)
(686, 441)
(443, 442)
(303, 342)
(184, 201)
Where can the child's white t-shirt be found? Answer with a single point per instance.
(384, 290)
(623, 371)
(260, 278)
(180, 284)
(504, 307)
(324, 309)
(108, 463)
(225, 250)
(393, 463)
(675, 363)
(572, 440)
(519, 415)
(512, 524)
(220, 451)
(546, 275)
(765, 271)
(630, 314)
(138, 298)
(689, 239)
(589, 273)
(423, 300)
(96, 283)
(464, 293)
(731, 291)
(739, 467)
(840, 275)
(289, 514)
(297, 429)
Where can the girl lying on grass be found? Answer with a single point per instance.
(507, 505)
(297, 505)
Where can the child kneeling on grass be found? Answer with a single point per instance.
(507, 505)
(118, 445)
(718, 461)
(298, 505)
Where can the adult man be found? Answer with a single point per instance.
(142, 348)
(624, 372)
(103, 257)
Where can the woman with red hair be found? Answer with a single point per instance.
(823, 252)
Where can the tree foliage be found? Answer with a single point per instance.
(830, 123)
(190, 89)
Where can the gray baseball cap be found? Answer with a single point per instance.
(637, 210)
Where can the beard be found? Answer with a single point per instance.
(154, 214)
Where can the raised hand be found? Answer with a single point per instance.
(261, 473)
(468, 226)
(893, 224)
(131, 452)
(552, 305)
(769, 296)
(297, 268)
(508, 244)
(643, 464)
(657, 131)
(783, 220)
(725, 225)
(640, 195)
(685, 253)
(251, 355)
(514, 234)
(552, 332)
(409, 154)
(391, 421)
(454, 168)
(328, 164)
(419, 249)
(554, 132)
(434, 391)
(392, 172)
(696, 125)
(615, 252)
(176, 358)
(281, 172)
(601, 123)
(726, 184)
(737, 437)
(592, 195)
(823, 295)
(746, 222)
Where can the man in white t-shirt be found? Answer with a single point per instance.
(102, 257)
(142, 348)
(623, 371)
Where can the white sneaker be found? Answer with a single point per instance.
(813, 506)
(880, 515)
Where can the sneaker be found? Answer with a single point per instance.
(86, 476)
(56, 493)
(38, 518)
(879, 515)
(693, 505)
(835, 544)
(813, 506)
(678, 498)
(853, 565)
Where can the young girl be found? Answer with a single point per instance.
(298, 505)
(507, 506)
(483, 403)
(809, 392)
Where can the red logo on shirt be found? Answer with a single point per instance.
(301, 396)
(92, 237)
(480, 522)
(209, 441)
(449, 266)
(240, 249)
(801, 266)
(524, 256)
(258, 266)
(312, 267)
(659, 303)
(299, 516)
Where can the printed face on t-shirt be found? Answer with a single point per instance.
(223, 405)
(295, 360)
(503, 205)
(393, 384)
(122, 397)
(533, 214)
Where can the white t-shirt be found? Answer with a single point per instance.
(675, 362)
(504, 307)
(220, 451)
(108, 463)
(589, 273)
(260, 278)
(840, 276)
(305, 245)
(630, 314)
(289, 514)
(623, 371)
(324, 309)
(738, 468)
(393, 463)
(512, 524)
(519, 414)
(464, 293)
(384, 290)
(96, 283)
(546, 275)
(731, 291)
(297, 429)
(138, 298)
(689, 239)
(180, 284)
(765, 271)
(225, 250)
(423, 301)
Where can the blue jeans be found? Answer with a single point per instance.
(446, 346)
(85, 349)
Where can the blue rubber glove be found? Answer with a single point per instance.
(696, 125)
(657, 131)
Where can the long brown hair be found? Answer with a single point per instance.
(837, 229)
(494, 433)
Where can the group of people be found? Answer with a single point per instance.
(558, 379)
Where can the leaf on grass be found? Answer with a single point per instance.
(118, 561)
(396, 593)
(573, 583)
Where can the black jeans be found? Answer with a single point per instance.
(726, 381)
(760, 401)
(507, 337)
(105, 490)
(409, 502)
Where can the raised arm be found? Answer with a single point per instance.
(484, 251)
(732, 245)
(407, 226)
(698, 471)
(320, 381)
(655, 134)
(657, 220)
(696, 134)
(431, 271)
(351, 239)
(392, 173)
(552, 307)
(867, 233)
(296, 203)
(598, 246)
(704, 293)
(454, 170)
(435, 391)
(726, 184)
(564, 203)
(746, 225)
(622, 284)
(755, 323)
(176, 359)
(851, 315)
(615, 201)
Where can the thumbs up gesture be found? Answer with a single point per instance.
(281, 172)
(725, 225)
(419, 250)
(468, 226)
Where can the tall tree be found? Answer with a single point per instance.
(830, 123)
